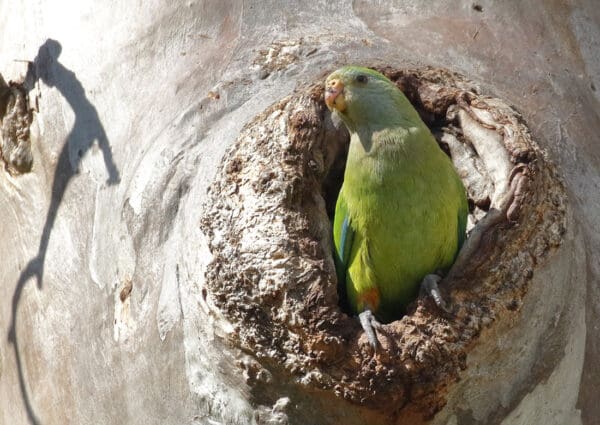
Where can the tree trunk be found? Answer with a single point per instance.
(127, 299)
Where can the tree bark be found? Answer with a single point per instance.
(107, 310)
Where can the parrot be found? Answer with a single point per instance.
(401, 214)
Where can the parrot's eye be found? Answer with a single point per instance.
(361, 78)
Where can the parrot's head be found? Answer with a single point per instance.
(364, 96)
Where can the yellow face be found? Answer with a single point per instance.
(334, 94)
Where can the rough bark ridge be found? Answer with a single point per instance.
(273, 276)
(15, 123)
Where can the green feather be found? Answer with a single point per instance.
(402, 202)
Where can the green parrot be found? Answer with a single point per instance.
(401, 214)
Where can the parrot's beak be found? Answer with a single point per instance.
(334, 95)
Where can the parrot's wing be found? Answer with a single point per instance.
(343, 235)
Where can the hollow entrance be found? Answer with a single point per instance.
(268, 226)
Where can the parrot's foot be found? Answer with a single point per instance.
(429, 285)
(369, 323)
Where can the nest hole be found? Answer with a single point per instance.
(268, 224)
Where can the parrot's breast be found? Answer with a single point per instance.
(403, 202)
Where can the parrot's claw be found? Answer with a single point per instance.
(369, 323)
(430, 287)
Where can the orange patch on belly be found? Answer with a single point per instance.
(369, 299)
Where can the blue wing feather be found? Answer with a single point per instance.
(343, 235)
(343, 239)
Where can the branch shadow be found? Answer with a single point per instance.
(86, 130)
